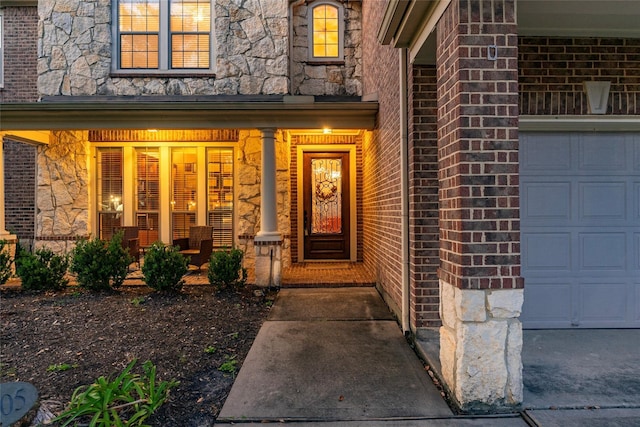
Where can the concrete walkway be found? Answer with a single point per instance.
(336, 357)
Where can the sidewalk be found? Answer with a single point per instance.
(336, 357)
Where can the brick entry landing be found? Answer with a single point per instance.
(326, 274)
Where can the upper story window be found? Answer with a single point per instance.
(326, 34)
(163, 35)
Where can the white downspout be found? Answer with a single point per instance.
(404, 188)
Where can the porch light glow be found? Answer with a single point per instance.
(327, 131)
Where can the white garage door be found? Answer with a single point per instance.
(580, 222)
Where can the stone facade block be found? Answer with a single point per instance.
(505, 304)
(481, 369)
(470, 305)
(514, 393)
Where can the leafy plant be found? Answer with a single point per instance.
(127, 400)
(5, 262)
(138, 301)
(42, 269)
(164, 267)
(100, 264)
(225, 269)
(60, 367)
(210, 349)
(230, 366)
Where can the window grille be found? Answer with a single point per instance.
(109, 190)
(147, 194)
(220, 185)
(184, 191)
(326, 31)
(164, 35)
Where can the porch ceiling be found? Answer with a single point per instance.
(411, 23)
(96, 113)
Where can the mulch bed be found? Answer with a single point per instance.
(98, 334)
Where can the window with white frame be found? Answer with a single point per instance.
(163, 35)
(326, 31)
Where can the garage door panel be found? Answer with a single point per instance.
(580, 229)
(603, 201)
(547, 252)
(602, 251)
(551, 154)
(603, 302)
(547, 304)
(547, 201)
(602, 153)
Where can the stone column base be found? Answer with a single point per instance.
(268, 260)
(480, 347)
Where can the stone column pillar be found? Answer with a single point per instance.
(268, 241)
(480, 285)
(4, 234)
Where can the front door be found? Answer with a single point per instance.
(326, 205)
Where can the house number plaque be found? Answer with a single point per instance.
(16, 399)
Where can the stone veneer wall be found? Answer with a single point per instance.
(74, 52)
(551, 72)
(63, 191)
(480, 284)
(248, 196)
(327, 78)
(20, 43)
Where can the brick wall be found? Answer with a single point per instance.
(20, 189)
(20, 54)
(423, 197)
(478, 151)
(381, 161)
(324, 140)
(551, 72)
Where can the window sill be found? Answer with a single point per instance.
(161, 74)
(325, 62)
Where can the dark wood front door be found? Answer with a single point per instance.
(326, 205)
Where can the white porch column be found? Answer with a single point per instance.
(268, 241)
(4, 234)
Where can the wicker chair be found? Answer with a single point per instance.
(131, 241)
(198, 246)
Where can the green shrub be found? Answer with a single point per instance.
(5, 262)
(225, 269)
(127, 400)
(42, 270)
(164, 267)
(100, 264)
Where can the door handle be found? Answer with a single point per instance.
(306, 224)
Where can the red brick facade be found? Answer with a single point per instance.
(551, 72)
(20, 54)
(423, 197)
(478, 145)
(323, 140)
(381, 161)
(20, 189)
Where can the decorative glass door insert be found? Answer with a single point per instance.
(326, 204)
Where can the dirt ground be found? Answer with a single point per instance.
(187, 336)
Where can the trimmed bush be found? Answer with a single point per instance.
(225, 269)
(164, 267)
(5, 262)
(100, 264)
(42, 270)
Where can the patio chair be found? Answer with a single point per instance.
(198, 246)
(131, 241)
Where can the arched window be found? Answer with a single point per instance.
(326, 31)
